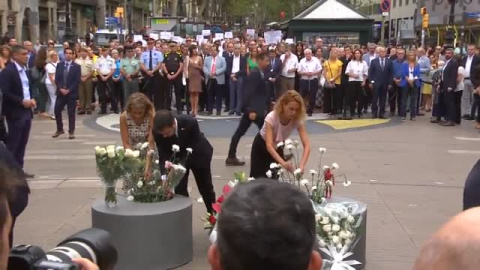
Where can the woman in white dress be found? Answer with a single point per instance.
(357, 71)
(51, 68)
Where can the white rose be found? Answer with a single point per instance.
(322, 150)
(325, 168)
(119, 149)
(348, 242)
(280, 144)
(280, 172)
(175, 148)
(297, 172)
(163, 177)
(102, 152)
(323, 200)
(129, 153)
(111, 153)
(289, 147)
(138, 146)
(151, 183)
(151, 152)
(304, 182)
(157, 161)
(136, 154)
(318, 217)
(342, 235)
(269, 174)
(351, 219)
(322, 243)
(273, 165)
(144, 146)
(189, 150)
(250, 179)
(335, 166)
(335, 239)
(339, 246)
(288, 141)
(140, 184)
(97, 149)
(313, 172)
(325, 220)
(296, 143)
(130, 198)
(335, 228)
(327, 228)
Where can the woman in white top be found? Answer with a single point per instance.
(461, 74)
(50, 68)
(288, 115)
(357, 71)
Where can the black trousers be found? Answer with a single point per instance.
(226, 94)
(60, 104)
(179, 93)
(106, 94)
(308, 89)
(203, 177)
(242, 128)
(215, 94)
(353, 96)
(395, 98)
(3, 129)
(458, 106)
(260, 158)
(118, 89)
(379, 99)
(449, 100)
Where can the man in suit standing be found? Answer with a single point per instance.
(256, 102)
(448, 86)
(214, 69)
(380, 76)
(237, 71)
(183, 130)
(470, 61)
(228, 55)
(67, 78)
(18, 103)
(274, 70)
(31, 54)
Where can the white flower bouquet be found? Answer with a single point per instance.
(109, 161)
(134, 164)
(340, 230)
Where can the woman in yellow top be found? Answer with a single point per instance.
(333, 96)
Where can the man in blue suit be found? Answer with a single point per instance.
(214, 69)
(274, 71)
(380, 76)
(18, 103)
(67, 78)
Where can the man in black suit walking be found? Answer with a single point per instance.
(183, 130)
(256, 104)
(67, 78)
(18, 103)
(448, 86)
(380, 76)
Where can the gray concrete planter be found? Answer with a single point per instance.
(148, 236)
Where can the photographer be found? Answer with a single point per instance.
(10, 184)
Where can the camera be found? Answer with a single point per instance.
(93, 244)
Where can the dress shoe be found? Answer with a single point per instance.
(469, 118)
(81, 112)
(465, 116)
(209, 113)
(231, 113)
(71, 135)
(219, 113)
(412, 119)
(234, 162)
(239, 114)
(435, 121)
(448, 124)
(58, 133)
(226, 109)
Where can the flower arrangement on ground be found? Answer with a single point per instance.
(109, 160)
(160, 187)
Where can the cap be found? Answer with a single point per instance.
(106, 47)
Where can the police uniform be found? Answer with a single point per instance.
(104, 65)
(130, 66)
(172, 61)
(151, 59)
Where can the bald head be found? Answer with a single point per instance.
(455, 246)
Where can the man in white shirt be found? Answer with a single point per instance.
(309, 69)
(290, 65)
(105, 66)
(470, 61)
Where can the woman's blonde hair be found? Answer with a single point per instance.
(408, 57)
(287, 97)
(139, 100)
(50, 54)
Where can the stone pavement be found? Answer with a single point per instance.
(410, 174)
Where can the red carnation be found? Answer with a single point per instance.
(220, 199)
(217, 207)
(212, 220)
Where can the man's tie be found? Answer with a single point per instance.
(213, 67)
(150, 61)
(382, 63)
(65, 74)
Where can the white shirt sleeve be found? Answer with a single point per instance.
(50, 68)
(348, 70)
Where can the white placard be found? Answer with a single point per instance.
(219, 36)
(289, 41)
(228, 34)
(166, 35)
(137, 38)
(154, 36)
(251, 32)
(278, 36)
(200, 39)
(178, 40)
(206, 33)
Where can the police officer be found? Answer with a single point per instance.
(105, 66)
(173, 68)
(130, 70)
(151, 66)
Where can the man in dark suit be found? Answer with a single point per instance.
(183, 130)
(18, 103)
(274, 70)
(380, 76)
(470, 61)
(228, 55)
(448, 86)
(237, 72)
(256, 103)
(31, 54)
(67, 78)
